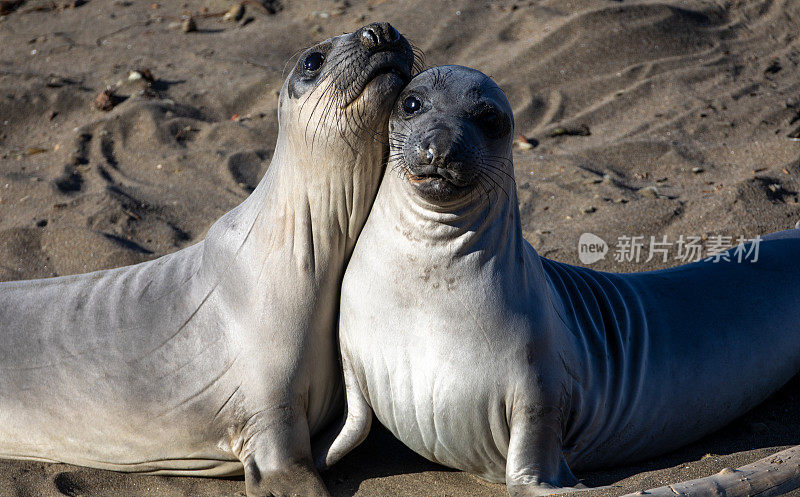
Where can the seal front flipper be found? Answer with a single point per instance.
(353, 428)
(535, 463)
(276, 454)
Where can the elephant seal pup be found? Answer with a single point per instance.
(480, 355)
(220, 358)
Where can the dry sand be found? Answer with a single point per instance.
(688, 104)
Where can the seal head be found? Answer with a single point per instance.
(346, 83)
(450, 133)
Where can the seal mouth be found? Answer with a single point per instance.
(437, 183)
(428, 179)
(434, 174)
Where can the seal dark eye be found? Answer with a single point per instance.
(313, 62)
(493, 123)
(489, 119)
(411, 105)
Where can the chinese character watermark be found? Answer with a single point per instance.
(684, 249)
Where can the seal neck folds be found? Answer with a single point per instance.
(307, 218)
(312, 203)
(485, 228)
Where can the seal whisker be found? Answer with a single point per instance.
(501, 170)
(332, 103)
(495, 179)
(329, 86)
(487, 186)
(419, 59)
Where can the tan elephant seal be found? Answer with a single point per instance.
(481, 355)
(219, 358)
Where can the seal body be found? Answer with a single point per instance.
(220, 358)
(481, 355)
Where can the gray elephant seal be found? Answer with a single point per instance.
(220, 358)
(480, 355)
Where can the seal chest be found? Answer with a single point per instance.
(413, 379)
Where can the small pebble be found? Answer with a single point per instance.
(189, 25)
(523, 143)
(579, 130)
(235, 13)
(105, 100)
(773, 67)
(142, 73)
(697, 170)
(589, 209)
(649, 191)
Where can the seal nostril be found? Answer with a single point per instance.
(369, 38)
(430, 154)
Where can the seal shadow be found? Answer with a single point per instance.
(774, 423)
(162, 85)
(380, 455)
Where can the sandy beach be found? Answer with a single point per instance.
(637, 118)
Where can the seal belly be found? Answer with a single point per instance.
(438, 404)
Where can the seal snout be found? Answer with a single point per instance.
(436, 147)
(435, 163)
(379, 35)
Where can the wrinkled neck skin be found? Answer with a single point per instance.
(277, 259)
(466, 231)
(304, 212)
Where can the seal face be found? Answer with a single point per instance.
(341, 87)
(218, 359)
(383, 58)
(481, 355)
(448, 132)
